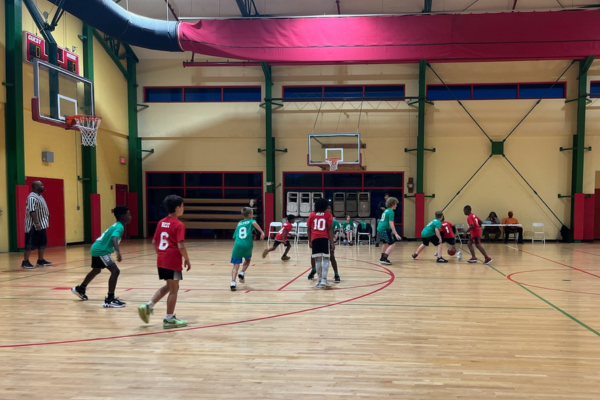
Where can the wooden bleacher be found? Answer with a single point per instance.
(213, 213)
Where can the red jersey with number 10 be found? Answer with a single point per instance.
(472, 219)
(447, 230)
(319, 224)
(169, 232)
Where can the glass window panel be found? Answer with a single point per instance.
(539, 90)
(392, 91)
(439, 92)
(498, 92)
(202, 94)
(203, 179)
(334, 179)
(384, 180)
(595, 89)
(163, 95)
(302, 92)
(243, 180)
(241, 94)
(157, 179)
(344, 92)
(314, 180)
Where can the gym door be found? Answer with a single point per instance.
(55, 199)
(121, 193)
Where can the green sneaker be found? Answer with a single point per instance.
(145, 311)
(174, 323)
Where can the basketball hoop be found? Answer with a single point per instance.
(88, 126)
(333, 163)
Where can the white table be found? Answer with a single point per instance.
(516, 234)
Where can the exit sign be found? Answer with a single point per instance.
(35, 47)
(122, 160)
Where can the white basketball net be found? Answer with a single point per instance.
(333, 163)
(88, 126)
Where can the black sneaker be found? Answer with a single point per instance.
(385, 262)
(232, 286)
(311, 276)
(77, 291)
(44, 263)
(414, 256)
(337, 278)
(27, 265)
(441, 260)
(113, 303)
(241, 277)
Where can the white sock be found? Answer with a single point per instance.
(242, 273)
(151, 304)
(319, 266)
(232, 283)
(325, 268)
(169, 316)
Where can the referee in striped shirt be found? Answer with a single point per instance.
(37, 220)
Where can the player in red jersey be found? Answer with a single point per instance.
(282, 238)
(320, 234)
(475, 239)
(168, 240)
(448, 236)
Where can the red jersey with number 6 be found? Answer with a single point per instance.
(447, 230)
(472, 219)
(169, 232)
(319, 224)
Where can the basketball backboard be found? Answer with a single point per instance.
(345, 146)
(58, 93)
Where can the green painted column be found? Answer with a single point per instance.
(88, 153)
(421, 127)
(270, 141)
(135, 148)
(13, 118)
(579, 137)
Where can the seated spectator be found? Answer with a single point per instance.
(512, 229)
(495, 230)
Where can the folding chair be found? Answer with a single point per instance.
(302, 231)
(274, 228)
(537, 228)
(359, 234)
(461, 230)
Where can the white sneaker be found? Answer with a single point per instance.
(435, 254)
(318, 285)
(324, 283)
(459, 256)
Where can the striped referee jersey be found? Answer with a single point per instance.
(36, 203)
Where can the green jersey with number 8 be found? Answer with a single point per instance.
(243, 239)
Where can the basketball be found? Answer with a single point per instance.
(451, 251)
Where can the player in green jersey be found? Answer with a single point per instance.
(101, 250)
(243, 245)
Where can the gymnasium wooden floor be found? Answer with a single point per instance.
(525, 327)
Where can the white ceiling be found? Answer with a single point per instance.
(228, 8)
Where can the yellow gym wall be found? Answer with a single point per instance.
(533, 148)
(225, 136)
(386, 127)
(3, 197)
(200, 136)
(110, 92)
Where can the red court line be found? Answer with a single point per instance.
(559, 263)
(389, 282)
(293, 280)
